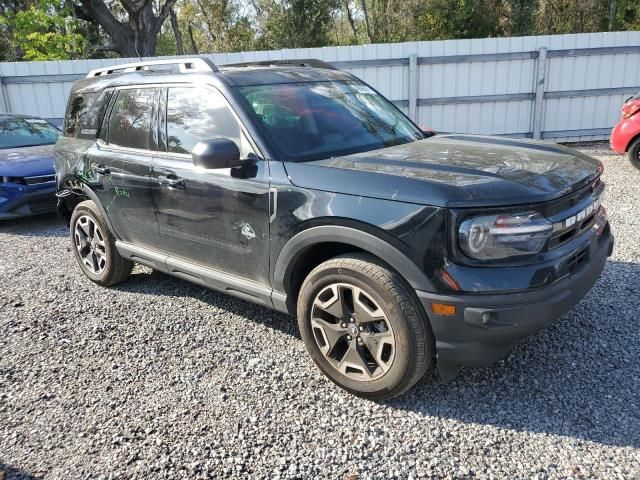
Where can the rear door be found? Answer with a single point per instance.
(122, 161)
(219, 218)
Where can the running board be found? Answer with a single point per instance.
(192, 272)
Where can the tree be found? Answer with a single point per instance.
(44, 30)
(213, 26)
(445, 19)
(132, 26)
(517, 17)
(294, 23)
(572, 16)
(58, 29)
(627, 15)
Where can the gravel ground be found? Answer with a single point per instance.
(158, 378)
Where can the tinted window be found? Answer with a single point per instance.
(130, 120)
(91, 121)
(195, 114)
(26, 132)
(315, 120)
(77, 108)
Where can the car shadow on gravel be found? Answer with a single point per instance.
(10, 473)
(577, 378)
(151, 282)
(45, 225)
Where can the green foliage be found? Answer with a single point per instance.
(166, 42)
(467, 18)
(571, 16)
(628, 15)
(294, 23)
(215, 26)
(46, 31)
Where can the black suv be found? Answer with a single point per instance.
(299, 187)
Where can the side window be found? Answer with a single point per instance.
(93, 119)
(195, 114)
(130, 120)
(77, 108)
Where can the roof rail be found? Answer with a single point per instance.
(294, 62)
(186, 65)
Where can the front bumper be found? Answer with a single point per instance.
(486, 327)
(24, 200)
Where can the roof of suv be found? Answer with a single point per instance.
(265, 75)
(257, 73)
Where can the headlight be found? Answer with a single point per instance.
(491, 237)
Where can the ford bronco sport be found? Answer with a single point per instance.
(299, 187)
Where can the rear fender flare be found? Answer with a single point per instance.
(91, 195)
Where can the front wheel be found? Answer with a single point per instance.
(364, 327)
(634, 153)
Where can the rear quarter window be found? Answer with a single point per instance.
(85, 113)
(77, 108)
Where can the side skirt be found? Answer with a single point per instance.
(207, 277)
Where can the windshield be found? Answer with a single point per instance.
(317, 120)
(26, 132)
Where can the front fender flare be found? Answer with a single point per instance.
(349, 236)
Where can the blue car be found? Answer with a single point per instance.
(27, 177)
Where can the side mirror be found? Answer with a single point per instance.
(427, 132)
(217, 153)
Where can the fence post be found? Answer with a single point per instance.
(538, 110)
(4, 95)
(413, 87)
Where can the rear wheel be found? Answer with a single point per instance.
(94, 247)
(364, 328)
(634, 153)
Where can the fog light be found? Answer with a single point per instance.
(443, 309)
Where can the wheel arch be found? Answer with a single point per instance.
(79, 192)
(312, 246)
(632, 141)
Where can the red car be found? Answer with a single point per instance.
(625, 136)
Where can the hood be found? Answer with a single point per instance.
(454, 171)
(26, 161)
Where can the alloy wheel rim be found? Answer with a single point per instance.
(89, 241)
(352, 332)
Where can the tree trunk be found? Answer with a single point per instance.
(212, 35)
(351, 22)
(613, 7)
(137, 36)
(193, 42)
(366, 20)
(176, 32)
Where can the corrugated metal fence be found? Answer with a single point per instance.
(559, 87)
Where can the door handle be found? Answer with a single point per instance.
(102, 169)
(171, 181)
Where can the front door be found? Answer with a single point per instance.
(121, 160)
(215, 218)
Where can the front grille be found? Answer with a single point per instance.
(575, 261)
(34, 180)
(564, 236)
(39, 179)
(574, 214)
(567, 202)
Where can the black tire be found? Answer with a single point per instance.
(381, 289)
(634, 153)
(113, 267)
